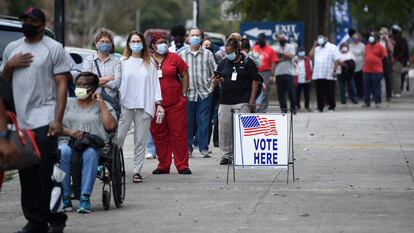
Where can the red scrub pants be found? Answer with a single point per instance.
(170, 137)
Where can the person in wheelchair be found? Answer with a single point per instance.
(87, 115)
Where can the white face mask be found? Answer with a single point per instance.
(371, 39)
(344, 49)
(321, 40)
(81, 93)
(162, 48)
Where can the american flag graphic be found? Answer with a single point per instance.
(255, 125)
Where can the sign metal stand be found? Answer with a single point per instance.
(291, 152)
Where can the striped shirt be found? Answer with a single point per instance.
(110, 67)
(201, 66)
(324, 61)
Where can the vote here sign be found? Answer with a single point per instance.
(260, 139)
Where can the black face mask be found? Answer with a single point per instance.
(261, 43)
(282, 42)
(29, 30)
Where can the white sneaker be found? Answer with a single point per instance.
(397, 95)
(150, 156)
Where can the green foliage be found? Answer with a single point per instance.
(380, 13)
(267, 10)
(17, 7)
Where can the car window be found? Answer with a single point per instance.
(5, 38)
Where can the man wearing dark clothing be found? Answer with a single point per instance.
(38, 69)
(400, 59)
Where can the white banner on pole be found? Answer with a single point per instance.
(261, 140)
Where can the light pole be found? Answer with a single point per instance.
(59, 8)
(196, 8)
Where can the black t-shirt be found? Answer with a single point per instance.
(238, 91)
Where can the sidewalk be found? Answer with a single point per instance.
(354, 170)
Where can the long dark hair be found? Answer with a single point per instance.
(145, 53)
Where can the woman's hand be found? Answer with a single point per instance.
(160, 109)
(216, 80)
(77, 134)
(98, 97)
(8, 150)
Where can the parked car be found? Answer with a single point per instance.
(217, 39)
(11, 30)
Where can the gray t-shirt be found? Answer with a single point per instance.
(85, 119)
(286, 67)
(34, 87)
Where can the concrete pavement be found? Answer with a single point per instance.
(354, 172)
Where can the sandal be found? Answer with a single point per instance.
(137, 178)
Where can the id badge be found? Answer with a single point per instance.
(234, 76)
(159, 73)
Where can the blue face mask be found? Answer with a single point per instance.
(231, 56)
(104, 48)
(195, 40)
(162, 48)
(301, 53)
(136, 47)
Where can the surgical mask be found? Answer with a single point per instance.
(195, 40)
(320, 41)
(162, 48)
(231, 56)
(355, 40)
(104, 48)
(371, 39)
(81, 93)
(301, 53)
(29, 30)
(344, 49)
(136, 47)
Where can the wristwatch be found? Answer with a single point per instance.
(5, 134)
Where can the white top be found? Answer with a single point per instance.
(34, 86)
(301, 71)
(345, 57)
(358, 50)
(324, 59)
(140, 85)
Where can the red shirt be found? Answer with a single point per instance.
(171, 89)
(373, 58)
(267, 57)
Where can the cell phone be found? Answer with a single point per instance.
(216, 73)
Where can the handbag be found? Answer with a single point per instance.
(25, 142)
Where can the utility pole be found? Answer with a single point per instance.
(196, 9)
(59, 13)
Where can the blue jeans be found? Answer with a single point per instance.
(200, 112)
(350, 83)
(372, 84)
(89, 169)
(262, 99)
(151, 145)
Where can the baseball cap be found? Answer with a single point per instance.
(396, 27)
(34, 13)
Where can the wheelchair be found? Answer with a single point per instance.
(110, 171)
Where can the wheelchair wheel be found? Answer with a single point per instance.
(106, 189)
(118, 177)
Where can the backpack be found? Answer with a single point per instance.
(246, 60)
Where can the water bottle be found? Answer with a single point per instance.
(160, 117)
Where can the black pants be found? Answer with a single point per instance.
(305, 88)
(359, 84)
(284, 83)
(36, 183)
(387, 67)
(325, 90)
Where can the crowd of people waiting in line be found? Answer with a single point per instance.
(176, 96)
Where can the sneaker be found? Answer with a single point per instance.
(67, 204)
(150, 156)
(378, 105)
(225, 161)
(204, 154)
(159, 172)
(84, 205)
(397, 95)
(186, 171)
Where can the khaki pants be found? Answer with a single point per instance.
(396, 77)
(226, 126)
(142, 121)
